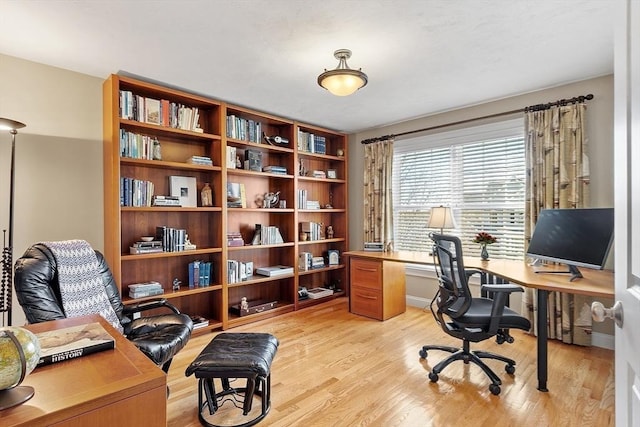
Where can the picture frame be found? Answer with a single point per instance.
(332, 174)
(184, 187)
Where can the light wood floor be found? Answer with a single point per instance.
(334, 368)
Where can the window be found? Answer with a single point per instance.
(479, 172)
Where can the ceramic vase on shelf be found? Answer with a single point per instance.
(484, 254)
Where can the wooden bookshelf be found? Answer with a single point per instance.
(219, 127)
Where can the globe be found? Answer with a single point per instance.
(10, 364)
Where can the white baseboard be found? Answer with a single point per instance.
(419, 302)
(598, 339)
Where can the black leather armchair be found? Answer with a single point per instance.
(468, 318)
(159, 337)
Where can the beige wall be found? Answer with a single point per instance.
(599, 134)
(58, 155)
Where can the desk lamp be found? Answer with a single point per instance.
(441, 217)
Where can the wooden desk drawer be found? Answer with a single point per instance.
(366, 273)
(366, 302)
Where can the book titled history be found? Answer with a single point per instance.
(75, 341)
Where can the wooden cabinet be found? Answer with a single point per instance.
(138, 116)
(377, 288)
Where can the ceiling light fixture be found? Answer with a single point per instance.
(343, 80)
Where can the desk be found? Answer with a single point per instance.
(595, 283)
(112, 387)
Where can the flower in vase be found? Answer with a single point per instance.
(484, 238)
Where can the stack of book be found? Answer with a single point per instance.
(276, 270)
(316, 293)
(267, 235)
(238, 271)
(146, 289)
(166, 201)
(246, 130)
(311, 143)
(234, 238)
(199, 321)
(317, 262)
(304, 261)
(146, 247)
(373, 247)
(173, 239)
(302, 199)
(135, 192)
(199, 274)
(200, 160)
(236, 195)
(281, 170)
(312, 204)
(159, 112)
(313, 230)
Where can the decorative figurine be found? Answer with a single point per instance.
(271, 200)
(206, 195)
(157, 150)
(329, 232)
(244, 305)
(176, 284)
(302, 171)
(238, 163)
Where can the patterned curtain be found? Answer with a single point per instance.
(378, 200)
(557, 177)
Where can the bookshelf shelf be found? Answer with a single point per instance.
(227, 135)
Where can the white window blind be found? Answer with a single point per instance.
(479, 172)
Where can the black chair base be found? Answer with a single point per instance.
(234, 356)
(468, 356)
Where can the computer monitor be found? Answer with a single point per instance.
(575, 237)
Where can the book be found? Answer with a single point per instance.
(199, 321)
(275, 270)
(75, 341)
(316, 293)
(146, 293)
(236, 195)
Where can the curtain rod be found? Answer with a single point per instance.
(537, 107)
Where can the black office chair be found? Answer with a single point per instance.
(468, 318)
(159, 337)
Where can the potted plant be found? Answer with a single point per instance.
(484, 239)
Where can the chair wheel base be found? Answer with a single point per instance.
(494, 389)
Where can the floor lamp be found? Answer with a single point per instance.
(6, 284)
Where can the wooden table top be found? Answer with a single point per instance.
(596, 283)
(65, 389)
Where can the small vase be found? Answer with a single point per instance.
(484, 254)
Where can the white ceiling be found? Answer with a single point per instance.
(421, 56)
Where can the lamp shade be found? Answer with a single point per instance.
(8, 124)
(441, 217)
(343, 80)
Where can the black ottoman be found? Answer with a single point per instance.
(229, 356)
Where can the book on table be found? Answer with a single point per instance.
(276, 270)
(75, 341)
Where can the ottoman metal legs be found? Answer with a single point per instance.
(235, 356)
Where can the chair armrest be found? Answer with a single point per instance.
(471, 271)
(508, 288)
(499, 301)
(149, 305)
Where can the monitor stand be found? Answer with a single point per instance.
(573, 270)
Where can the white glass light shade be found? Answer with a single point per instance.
(342, 81)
